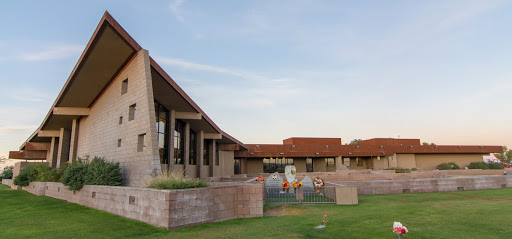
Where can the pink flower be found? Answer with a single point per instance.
(324, 221)
(325, 216)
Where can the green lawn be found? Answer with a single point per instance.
(468, 214)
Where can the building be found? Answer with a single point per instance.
(329, 155)
(118, 103)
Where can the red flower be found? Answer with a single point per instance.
(403, 231)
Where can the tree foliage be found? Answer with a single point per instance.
(355, 141)
(505, 156)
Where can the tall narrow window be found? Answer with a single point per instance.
(141, 142)
(309, 165)
(162, 127)
(329, 162)
(179, 136)
(119, 143)
(131, 112)
(120, 119)
(192, 148)
(124, 87)
(238, 168)
(346, 162)
(217, 160)
(206, 153)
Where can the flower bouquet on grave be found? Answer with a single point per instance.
(285, 186)
(296, 185)
(318, 183)
(399, 229)
(260, 179)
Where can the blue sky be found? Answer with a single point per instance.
(268, 70)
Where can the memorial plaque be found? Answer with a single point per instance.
(307, 184)
(289, 172)
(274, 180)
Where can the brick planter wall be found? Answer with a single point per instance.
(428, 185)
(7, 182)
(164, 208)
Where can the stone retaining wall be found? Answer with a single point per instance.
(428, 185)
(7, 182)
(164, 208)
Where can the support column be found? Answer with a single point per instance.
(54, 149)
(64, 142)
(74, 140)
(212, 157)
(200, 152)
(172, 127)
(186, 150)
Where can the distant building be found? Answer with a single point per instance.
(118, 103)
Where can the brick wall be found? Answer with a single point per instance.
(100, 131)
(164, 208)
(7, 182)
(427, 185)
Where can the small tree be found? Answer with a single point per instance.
(355, 141)
(505, 156)
(7, 173)
(426, 143)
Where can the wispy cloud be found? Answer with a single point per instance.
(53, 53)
(29, 95)
(204, 67)
(175, 9)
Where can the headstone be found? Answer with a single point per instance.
(274, 180)
(307, 184)
(289, 172)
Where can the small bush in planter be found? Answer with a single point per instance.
(478, 165)
(75, 175)
(493, 165)
(102, 172)
(27, 175)
(175, 181)
(444, 166)
(7, 173)
(454, 165)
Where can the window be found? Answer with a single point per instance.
(217, 160)
(124, 87)
(192, 160)
(309, 165)
(119, 143)
(273, 165)
(178, 141)
(359, 162)
(238, 164)
(162, 127)
(131, 112)
(346, 162)
(141, 142)
(121, 120)
(329, 162)
(206, 153)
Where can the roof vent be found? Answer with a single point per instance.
(317, 153)
(382, 146)
(281, 153)
(410, 146)
(293, 146)
(349, 153)
(326, 146)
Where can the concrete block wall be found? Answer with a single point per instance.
(427, 185)
(164, 208)
(7, 182)
(100, 131)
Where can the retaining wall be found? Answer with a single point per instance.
(164, 208)
(428, 185)
(7, 182)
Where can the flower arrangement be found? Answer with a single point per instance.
(399, 229)
(318, 182)
(325, 219)
(295, 184)
(285, 185)
(260, 179)
(293, 171)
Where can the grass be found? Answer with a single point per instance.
(466, 214)
(175, 181)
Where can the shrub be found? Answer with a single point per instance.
(478, 165)
(444, 166)
(7, 173)
(75, 175)
(27, 175)
(175, 181)
(400, 170)
(494, 165)
(454, 165)
(102, 172)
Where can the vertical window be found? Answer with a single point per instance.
(309, 165)
(178, 142)
(359, 162)
(329, 162)
(217, 160)
(141, 142)
(238, 166)
(131, 112)
(346, 162)
(119, 143)
(124, 87)
(206, 153)
(192, 148)
(162, 117)
(121, 120)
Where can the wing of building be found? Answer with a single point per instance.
(118, 103)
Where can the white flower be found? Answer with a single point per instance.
(397, 224)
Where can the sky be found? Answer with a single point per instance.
(265, 71)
